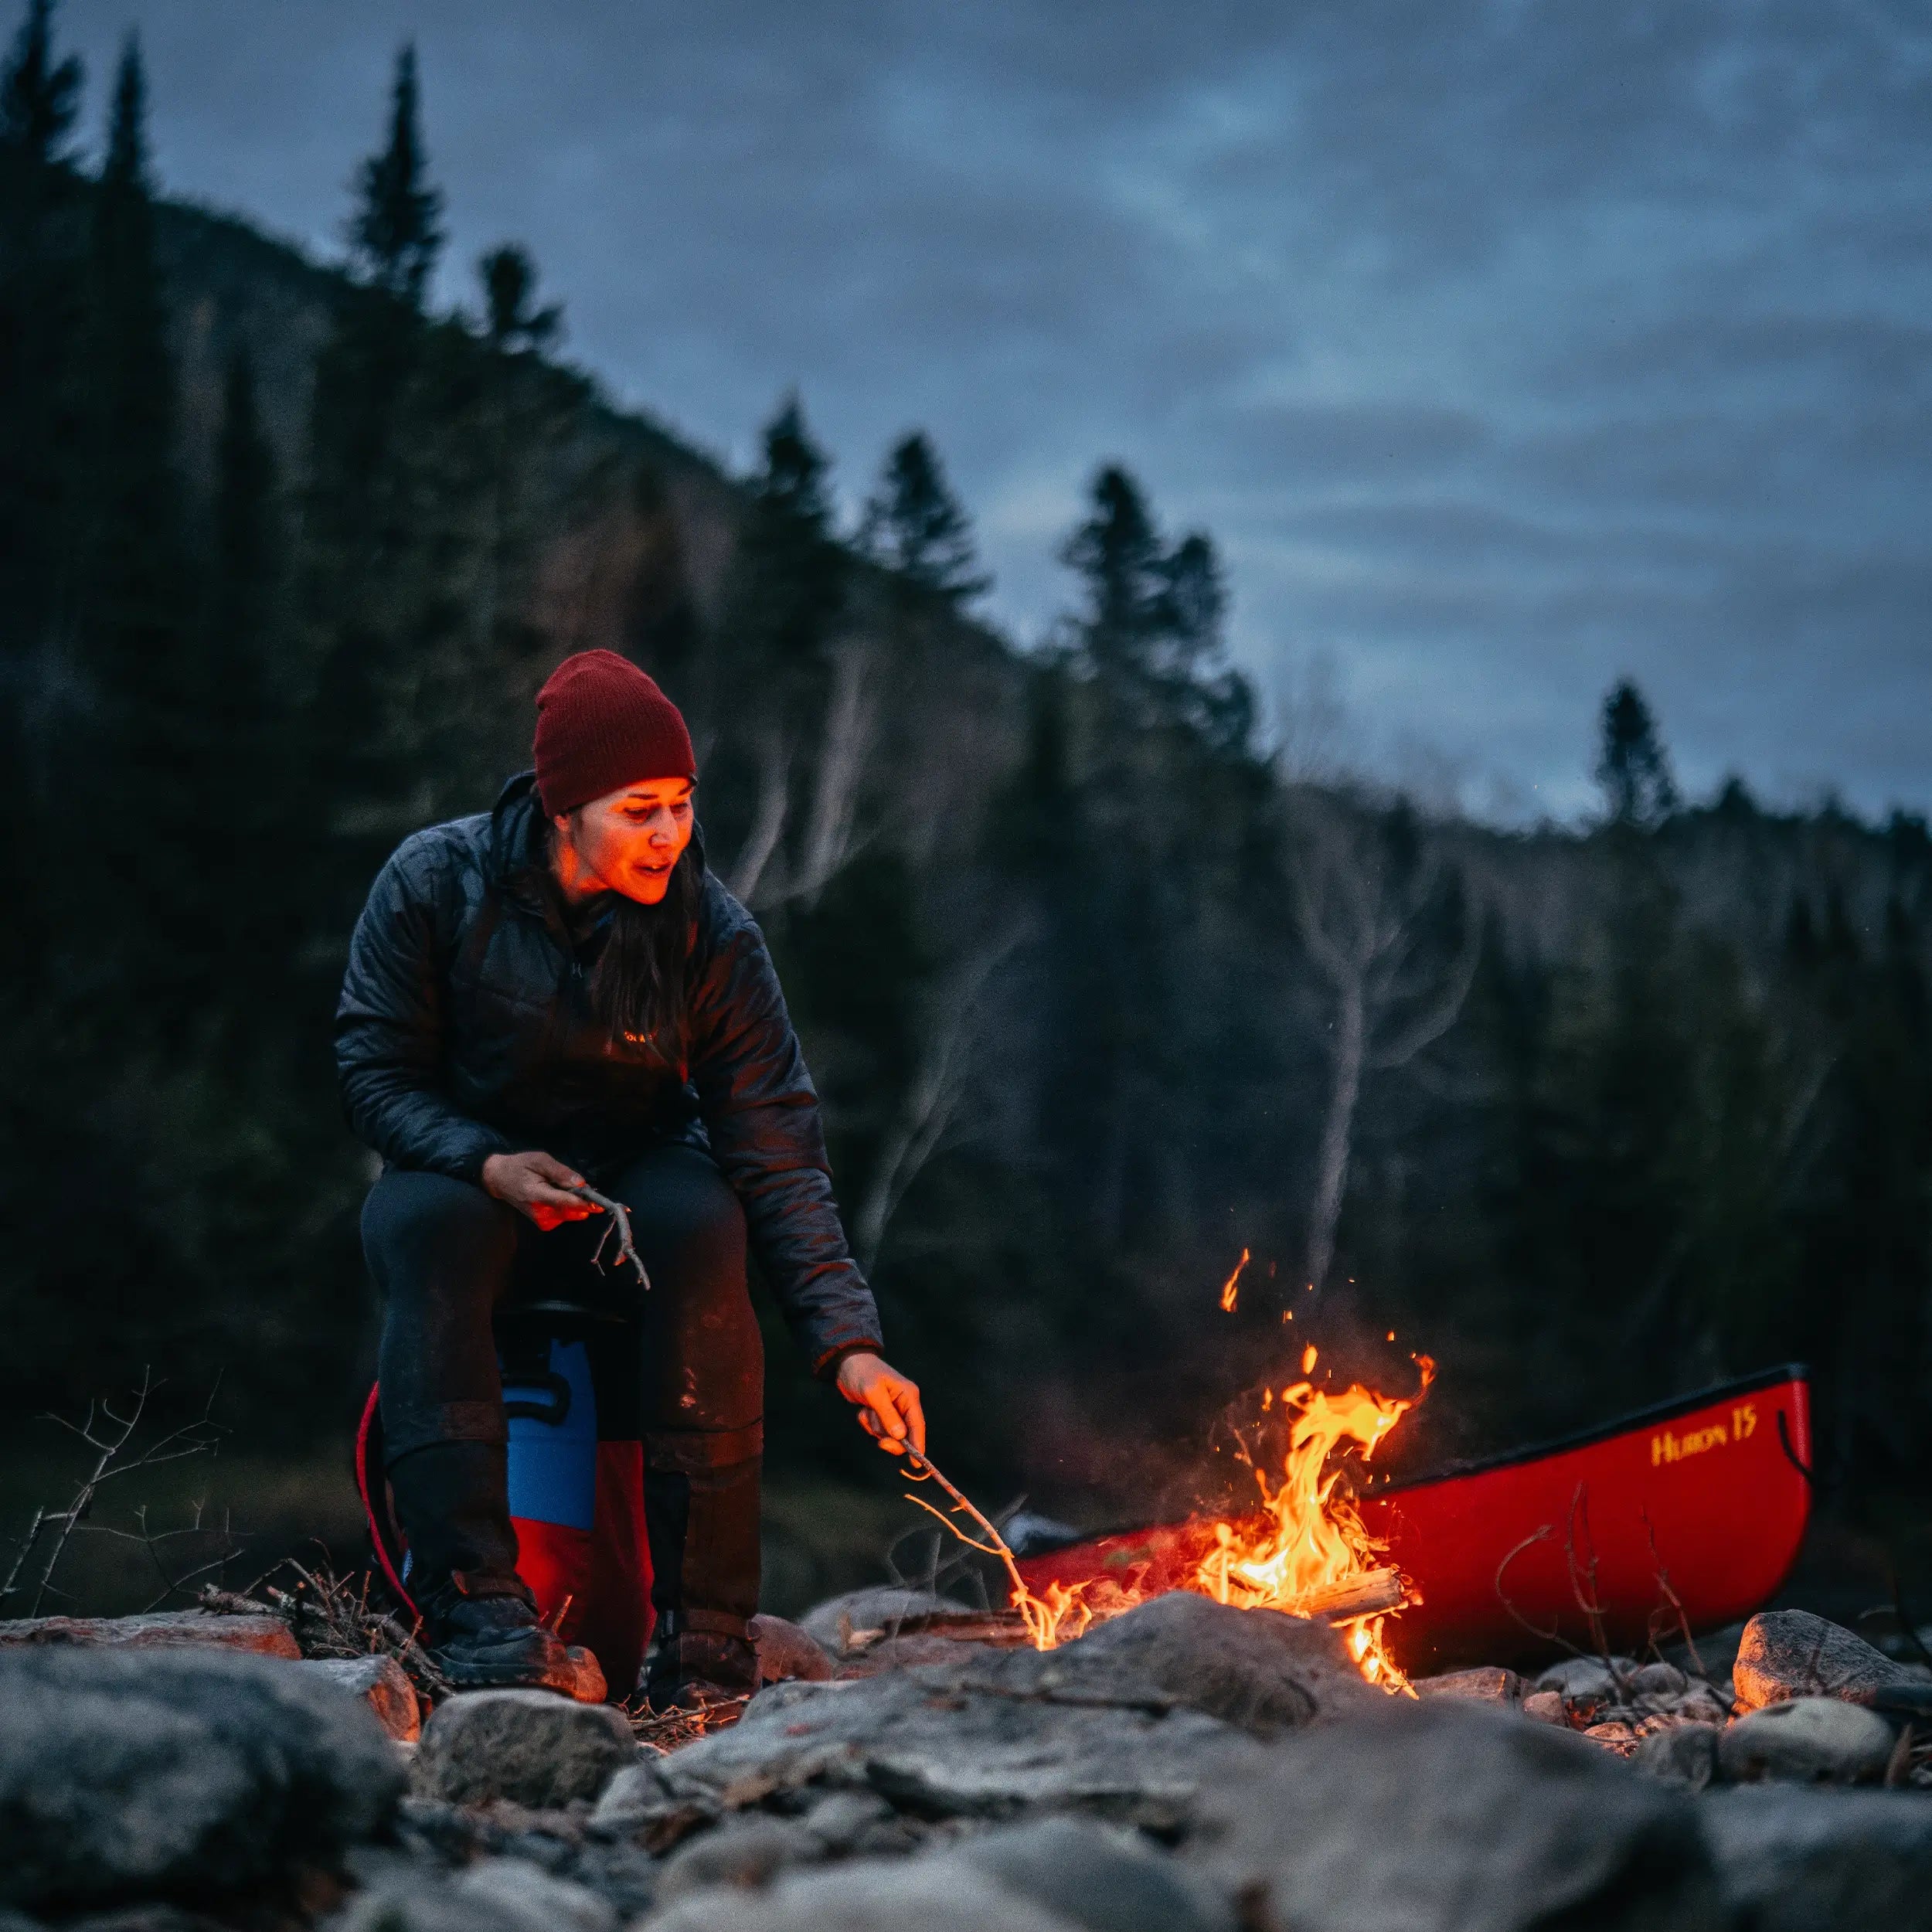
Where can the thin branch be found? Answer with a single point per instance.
(1553, 1635)
(1589, 1602)
(1671, 1597)
(1023, 1599)
(619, 1223)
(985, 1550)
(1430, 1026)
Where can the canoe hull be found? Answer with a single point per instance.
(1705, 1500)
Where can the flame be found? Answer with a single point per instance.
(1307, 1539)
(1229, 1286)
(1309, 1536)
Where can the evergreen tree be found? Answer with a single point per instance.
(511, 320)
(39, 96)
(1632, 765)
(915, 526)
(787, 587)
(240, 712)
(1152, 619)
(41, 276)
(1123, 573)
(135, 615)
(383, 547)
(395, 234)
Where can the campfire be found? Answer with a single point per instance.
(1304, 1551)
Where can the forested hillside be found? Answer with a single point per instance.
(1098, 993)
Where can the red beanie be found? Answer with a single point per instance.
(602, 723)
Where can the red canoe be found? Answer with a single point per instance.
(1705, 1499)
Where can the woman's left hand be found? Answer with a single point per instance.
(887, 1402)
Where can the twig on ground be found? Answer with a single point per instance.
(1671, 1597)
(664, 1732)
(619, 1223)
(1553, 1635)
(331, 1618)
(1588, 1602)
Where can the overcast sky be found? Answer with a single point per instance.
(1504, 349)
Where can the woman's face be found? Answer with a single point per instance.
(627, 841)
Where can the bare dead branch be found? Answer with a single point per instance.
(1553, 1635)
(1583, 1573)
(1675, 1602)
(619, 1224)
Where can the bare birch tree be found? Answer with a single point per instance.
(952, 1027)
(1367, 897)
(767, 818)
(760, 877)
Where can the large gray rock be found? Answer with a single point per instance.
(1797, 1860)
(940, 1742)
(531, 1747)
(139, 1773)
(1257, 1669)
(162, 1629)
(1099, 1877)
(747, 1851)
(1447, 1817)
(381, 1683)
(1811, 1740)
(516, 1889)
(426, 1901)
(932, 1894)
(1791, 1653)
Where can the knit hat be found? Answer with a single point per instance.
(602, 723)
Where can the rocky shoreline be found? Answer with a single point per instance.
(1185, 1768)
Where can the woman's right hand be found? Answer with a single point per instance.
(538, 1185)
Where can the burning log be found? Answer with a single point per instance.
(1369, 1594)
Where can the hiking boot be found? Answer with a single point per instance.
(483, 1633)
(692, 1668)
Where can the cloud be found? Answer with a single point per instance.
(1507, 346)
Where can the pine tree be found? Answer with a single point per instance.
(395, 236)
(1123, 573)
(136, 614)
(1151, 624)
(41, 273)
(240, 711)
(382, 547)
(788, 588)
(1632, 766)
(512, 322)
(39, 96)
(914, 526)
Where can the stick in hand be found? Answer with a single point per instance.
(618, 1224)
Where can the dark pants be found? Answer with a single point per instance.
(449, 1260)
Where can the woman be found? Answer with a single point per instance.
(554, 993)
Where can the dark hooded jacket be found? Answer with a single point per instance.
(465, 1030)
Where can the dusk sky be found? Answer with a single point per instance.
(1504, 349)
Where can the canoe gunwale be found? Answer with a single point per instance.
(1665, 1411)
(1635, 1419)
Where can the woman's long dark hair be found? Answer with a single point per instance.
(639, 986)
